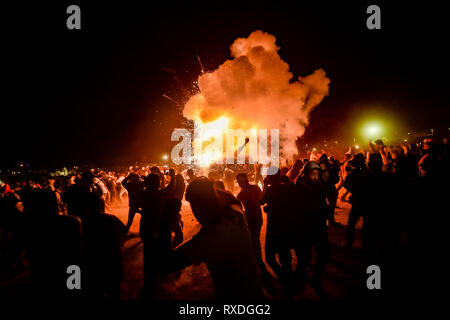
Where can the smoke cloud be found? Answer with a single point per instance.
(256, 89)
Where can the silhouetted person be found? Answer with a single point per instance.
(191, 175)
(330, 177)
(352, 183)
(278, 198)
(311, 223)
(133, 184)
(9, 227)
(258, 175)
(377, 203)
(102, 258)
(250, 195)
(171, 219)
(429, 234)
(223, 243)
(52, 243)
(151, 201)
(180, 188)
(77, 194)
(229, 177)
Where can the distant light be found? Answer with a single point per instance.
(357, 147)
(406, 140)
(373, 130)
(165, 157)
(314, 149)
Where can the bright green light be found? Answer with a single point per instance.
(373, 130)
(373, 122)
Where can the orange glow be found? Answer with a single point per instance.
(210, 140)
(208, 145)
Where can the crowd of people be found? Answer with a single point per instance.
(50, 223)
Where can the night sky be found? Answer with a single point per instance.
(94, 96)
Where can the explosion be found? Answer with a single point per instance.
(254, 89)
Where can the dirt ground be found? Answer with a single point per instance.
(342, 279)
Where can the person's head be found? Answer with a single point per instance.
(155, 170)
(273, 175)
(180, 186)
(133, 177)
(40, 204)
(215, 175)
(242, 180)
(190, 173)
(311, 171)
(211, 176)
(375, 162)
(179, 180)
(87, 178)
(89, 206)
(323, 162)
(284, 179)
(203, 200)
(218, 184)
(358, 160)
(152, 181)
(379, 143)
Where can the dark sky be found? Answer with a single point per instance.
(95, 95)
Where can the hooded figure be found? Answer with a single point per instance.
(311, 217)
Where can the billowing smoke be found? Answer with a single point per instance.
(255, 89)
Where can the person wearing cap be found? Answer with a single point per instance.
(330, 176)
(311, 215)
